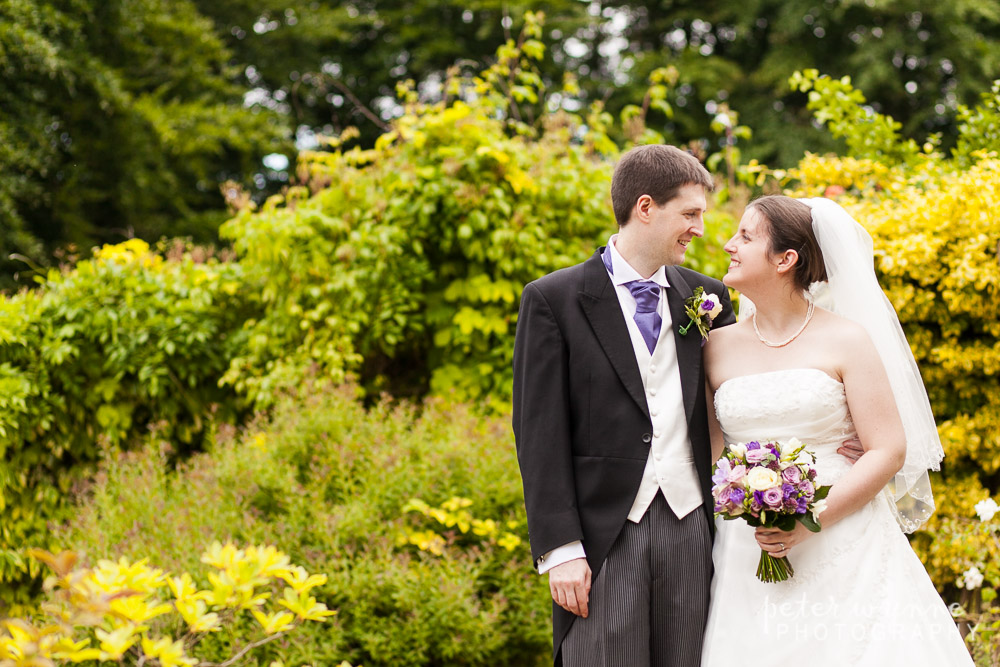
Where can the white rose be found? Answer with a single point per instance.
(973, 578)
(762, 479)
(986, 509)
(717, 308)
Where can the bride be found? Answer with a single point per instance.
(824, 365)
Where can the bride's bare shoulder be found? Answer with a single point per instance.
(728, 333)
(841, 331)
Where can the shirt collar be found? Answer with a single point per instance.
(623, 271)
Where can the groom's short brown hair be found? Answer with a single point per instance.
(655, 170)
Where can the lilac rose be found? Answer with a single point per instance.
(792, 474)
(773, 498)
(757, 455)
(737, 473)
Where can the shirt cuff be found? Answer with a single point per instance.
(560, 555)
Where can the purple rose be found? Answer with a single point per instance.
(772, 497)
(707, 305)
(806, 487)
(792, 474)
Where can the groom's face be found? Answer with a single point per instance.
(677, 222)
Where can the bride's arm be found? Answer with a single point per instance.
(873, 409)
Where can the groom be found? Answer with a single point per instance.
(611, 425)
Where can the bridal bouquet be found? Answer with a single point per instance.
(770, 485)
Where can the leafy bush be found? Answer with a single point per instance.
(351, 494)
(94, 356)
(406, 262)
(402, 264)
(120, 612)
(937, 245)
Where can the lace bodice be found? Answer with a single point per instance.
(804, 403)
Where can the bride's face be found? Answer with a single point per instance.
(749, 259)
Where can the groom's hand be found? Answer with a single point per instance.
(569, 584)
(852, 449)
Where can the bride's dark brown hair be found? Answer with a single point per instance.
(789, 227)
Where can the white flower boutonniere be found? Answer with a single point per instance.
(702, 309)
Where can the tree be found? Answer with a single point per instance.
(117, 118)
(330, 65)
(919, 60)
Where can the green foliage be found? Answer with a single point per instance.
(935, 230)
(980, 126)
(405, 262)
(916, 61)
(120, 612)
(92, 359)
(330, 485)
(841, 107)
(330, 66)
(116, 118)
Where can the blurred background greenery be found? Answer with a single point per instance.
(123, 118)
(262, 264)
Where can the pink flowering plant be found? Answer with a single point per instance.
(769, 485)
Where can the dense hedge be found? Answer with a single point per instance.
(94, 357)
(403, 264)
(937, 243)
(332, 485)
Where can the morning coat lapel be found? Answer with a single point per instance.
(601, 306)
(688, 346)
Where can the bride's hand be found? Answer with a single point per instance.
(778, 542)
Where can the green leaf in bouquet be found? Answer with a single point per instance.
(809, 522)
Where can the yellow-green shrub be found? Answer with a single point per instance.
(91, 358)
(406, 262)
(128, 613)
(335, 487)
(934, 221)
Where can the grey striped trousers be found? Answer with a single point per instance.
(649, 603)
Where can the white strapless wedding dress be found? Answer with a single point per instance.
(859, 596)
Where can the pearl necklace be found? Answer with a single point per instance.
(809, 314)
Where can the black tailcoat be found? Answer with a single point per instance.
(580, 418)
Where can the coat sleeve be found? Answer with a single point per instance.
(542, 426)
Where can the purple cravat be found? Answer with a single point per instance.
(647, 296)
